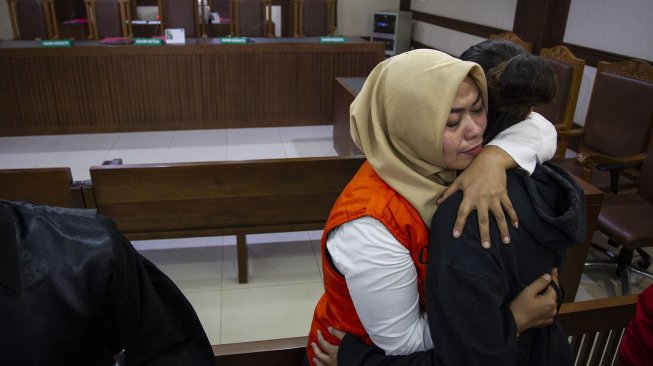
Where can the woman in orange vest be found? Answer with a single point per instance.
(419, 118)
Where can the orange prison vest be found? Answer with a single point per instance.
(366, 195)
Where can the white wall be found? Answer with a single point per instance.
(624, 27)
(443, 39)
(497, 14)
(5, 22)
(355, 16)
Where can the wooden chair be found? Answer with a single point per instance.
(110, 18)
(181, 14)
(510, 36)
(618, 128)
(44, 186)
(33, 19)
(569, 73)
(626, 219)
(251, 18)
(313, 18)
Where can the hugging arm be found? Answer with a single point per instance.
(483, 183)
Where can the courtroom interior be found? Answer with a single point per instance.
(104, 107)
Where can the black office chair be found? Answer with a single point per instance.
(627, 220)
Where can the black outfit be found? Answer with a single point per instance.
(469, 289)
(74, 291)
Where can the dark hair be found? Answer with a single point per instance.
(516, 82)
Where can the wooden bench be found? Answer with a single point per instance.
(180, 200)
(44, 186)
(594, 328)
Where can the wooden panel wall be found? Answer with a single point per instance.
(95, 88)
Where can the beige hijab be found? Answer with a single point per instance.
(398, 121)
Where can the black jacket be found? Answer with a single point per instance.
(469, 289)
(73, 291)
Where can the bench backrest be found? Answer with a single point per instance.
(44, 186)
(220, 198)
(595, 328)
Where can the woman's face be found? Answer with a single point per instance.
(463, 134)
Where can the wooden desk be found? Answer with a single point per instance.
(344, 92)
(91, 87)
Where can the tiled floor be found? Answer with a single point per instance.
(285, 275)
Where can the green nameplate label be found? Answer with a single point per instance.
(148, 41)
(57, 43)
(233, 40)
(332, 39)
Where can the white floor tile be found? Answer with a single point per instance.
(310, 148)
(270, 312)
(138, 155)
(21, 160)
(272, 264)
(208, 306)
(254, 143)
(192, 269)
(198, 138)
(254, 152)
(88, 142)
(253, 136)
(197, 145)
(196, 154)
(79, 162)
(299, 134)
(30, 144)
(143, 140)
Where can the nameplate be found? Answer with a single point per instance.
(57, 43)
(148, 41)
(233, 40)
(332, 39)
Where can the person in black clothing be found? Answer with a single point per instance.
(74, 291)
(469, 289)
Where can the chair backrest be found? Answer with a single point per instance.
(105, 18)
(569, 73)
(70, 9)
(44, 186)
(619, 119)
(180, 14)
(510, 36)
(248, 18)
(33, 19)
(221, 6)
(315, 18)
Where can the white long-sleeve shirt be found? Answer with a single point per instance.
(379, 271)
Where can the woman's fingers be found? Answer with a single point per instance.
(338, 333)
